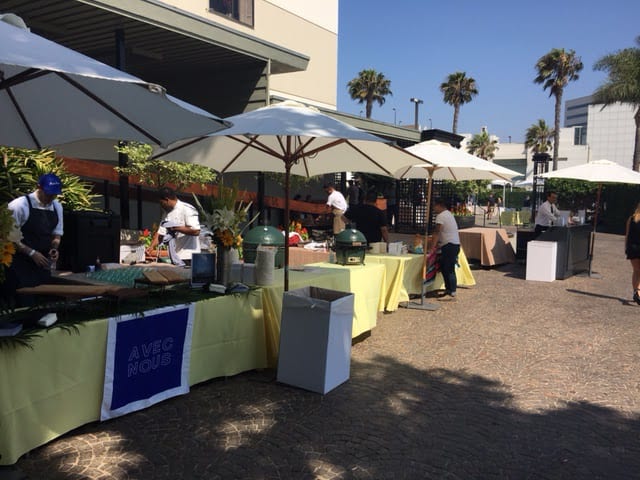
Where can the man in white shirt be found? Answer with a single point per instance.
(446, 238)
(547, 213)
(337, 205)
(179, 228)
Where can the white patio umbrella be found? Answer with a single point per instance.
(51, 95)
(598, 171)
(295, 139)
(526, 182)
(448, 163)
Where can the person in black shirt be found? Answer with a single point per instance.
(632, 250)
(370, 220)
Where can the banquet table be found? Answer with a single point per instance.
(404, 276)
(57, 385)
(367, 282)
(489, 245)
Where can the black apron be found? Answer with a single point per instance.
(36, 233)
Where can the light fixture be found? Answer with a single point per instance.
(417, 102)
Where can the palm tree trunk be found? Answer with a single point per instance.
(369, 106)
(556, 133)
(636, 149)
(456, 111)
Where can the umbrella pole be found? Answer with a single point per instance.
(425, 260)
(287, 177)
(593, 232)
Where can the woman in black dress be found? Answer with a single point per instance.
(632, 249)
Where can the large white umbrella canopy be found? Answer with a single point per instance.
(598, 171)
(450, 163)
(294, 136)
(295, 139)
(50, 95)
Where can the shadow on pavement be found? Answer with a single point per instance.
(389, 421)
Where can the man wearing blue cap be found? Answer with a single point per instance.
(39, 217)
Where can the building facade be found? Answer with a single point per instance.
(609, 132)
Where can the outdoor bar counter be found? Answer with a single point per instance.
(573, 248)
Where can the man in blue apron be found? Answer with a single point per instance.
(39, 217)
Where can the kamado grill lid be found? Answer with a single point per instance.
(264, 235)
(350, 238)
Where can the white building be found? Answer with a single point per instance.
(609, 132)
(590, 132)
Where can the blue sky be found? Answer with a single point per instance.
(417, 43)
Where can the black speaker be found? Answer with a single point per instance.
(89, 235)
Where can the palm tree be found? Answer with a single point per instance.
(368, 87)
(538, 137)
(458, 90)
(622, 85)
(555, 70)
(483, 146)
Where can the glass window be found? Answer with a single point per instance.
(580, 135)
(239, 10)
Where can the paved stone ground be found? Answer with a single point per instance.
(514, 380)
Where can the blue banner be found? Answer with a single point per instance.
(147, 359)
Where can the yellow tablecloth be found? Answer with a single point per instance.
(404, 276)
(57, 386)
(367, 282)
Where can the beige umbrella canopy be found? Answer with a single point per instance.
(295, 139)
(598, 171)
(449, 163)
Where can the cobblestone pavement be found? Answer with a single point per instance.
(514, 380)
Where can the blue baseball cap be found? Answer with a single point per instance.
(50, 184)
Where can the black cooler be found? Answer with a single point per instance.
(89, 235)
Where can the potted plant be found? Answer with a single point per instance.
(464, 217)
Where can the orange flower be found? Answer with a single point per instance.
(8, 249)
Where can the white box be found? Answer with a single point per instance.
(249, 273)
(541, 261)
(395, 248)
(130, 253)
(315, 338)
(378, 247)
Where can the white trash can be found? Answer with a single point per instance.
(541, 261)
(315, 338)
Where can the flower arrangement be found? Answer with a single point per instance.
(297, 233)
(10, 234)
(146, 237)
(297, 227)
(224, 217)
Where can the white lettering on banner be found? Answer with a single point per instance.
(155, 354)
